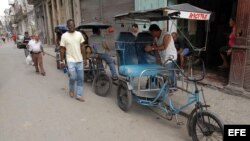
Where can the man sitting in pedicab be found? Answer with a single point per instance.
(99, 45)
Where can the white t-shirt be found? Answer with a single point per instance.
(72, 41)
(170, 51)
(35, 46)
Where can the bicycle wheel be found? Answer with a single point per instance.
(124, 97)
(102, 84)
(207, 127)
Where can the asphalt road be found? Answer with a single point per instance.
(38, 108)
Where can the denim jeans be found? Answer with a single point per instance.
(171, 66)
(107, 58)
(76, 75)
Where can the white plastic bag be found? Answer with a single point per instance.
(29, 60)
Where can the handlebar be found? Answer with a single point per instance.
(187, 77)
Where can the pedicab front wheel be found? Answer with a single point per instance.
(207, 126)
(124, 96)
(102, 84)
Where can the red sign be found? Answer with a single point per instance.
(198, 16)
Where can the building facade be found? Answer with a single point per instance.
(50, 13)
(21, 17)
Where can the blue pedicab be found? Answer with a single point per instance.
(137, 67)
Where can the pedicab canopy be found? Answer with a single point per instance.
(183, 11)
(93, 25)
(61, 28)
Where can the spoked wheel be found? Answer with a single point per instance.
(207, 127)
(102, 84)
(124, 97)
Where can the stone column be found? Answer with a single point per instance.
(77, 12)
(58, 16)
(48, 22)
(54, 19)
(44, 22)
(67, 8)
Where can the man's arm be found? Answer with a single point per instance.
(165, 44)
(62, 49)
(83, 53)
(62, 53)
(42, 50)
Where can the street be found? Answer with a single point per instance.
(38, 108)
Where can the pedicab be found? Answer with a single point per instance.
(95, 70)
(136, 67)
(59, 30)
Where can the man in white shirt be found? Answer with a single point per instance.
(36, 49)
(72, 43)
(166, 48)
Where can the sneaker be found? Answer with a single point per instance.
(80, 99)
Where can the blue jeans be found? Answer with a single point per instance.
(107, 58)
(76, 75)
(171, 66)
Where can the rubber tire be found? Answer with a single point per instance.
(104, 77)
(120, 101)
(211, 116)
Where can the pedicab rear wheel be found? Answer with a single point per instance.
(124, 96)
(102, 84)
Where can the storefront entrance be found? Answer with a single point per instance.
(219, 31)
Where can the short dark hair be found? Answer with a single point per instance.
(135, 25)
(26, 32)
(154, 27)
(70, 20)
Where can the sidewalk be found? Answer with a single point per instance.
(230, 108)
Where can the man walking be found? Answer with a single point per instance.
(72, 44)
(36, 49)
